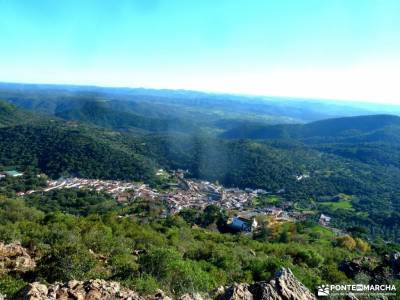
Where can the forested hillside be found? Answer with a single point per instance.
(10, 115)
(356, 156)
(350, 129)
(115, 116)
(61, 149)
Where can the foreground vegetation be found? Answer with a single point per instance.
(131, 244)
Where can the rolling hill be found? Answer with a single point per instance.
(357, 129)
(11, 115)
(114, 115)
(63, 149)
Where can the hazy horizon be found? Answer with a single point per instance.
(336, 50)
(345, 102)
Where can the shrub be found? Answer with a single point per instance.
(145, 284)
(176, 274)
(10, 285)
(362, 245)
(346, 242)
(67, 263)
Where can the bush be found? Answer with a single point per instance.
(346, 242)
(264, 269)
(333, 275)
(146, 284)
(309, 257)
(176, 274)
(123, 265)
(67, 263)
(362, 245)
(10, 285)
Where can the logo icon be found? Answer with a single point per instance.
(359, 287)
(323, 290)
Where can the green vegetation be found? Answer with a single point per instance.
(338, 205)
(10, 115)
(350, 129)
(172, 255)
(72, 201)
(60, 149)
(351, 156)
(262, 201)
(352, 167)
(102, 113)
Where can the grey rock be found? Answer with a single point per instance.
(78, 290)
(236, 292)
(15, 258)
(191, 296)
(284, 286)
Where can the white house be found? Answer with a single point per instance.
(243, 223)
(324, 220)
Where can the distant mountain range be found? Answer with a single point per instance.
(195, 106)
(117, 116)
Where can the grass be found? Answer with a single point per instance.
(338, 205)
(263, 201)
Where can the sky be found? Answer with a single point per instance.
(334, 49)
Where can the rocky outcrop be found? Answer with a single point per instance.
(284, 286)
(353, 267)
(378, 271)
(90, 290)
(236, 292)
(160, 295)
(15, 258)
(78, 290)
(191, 296)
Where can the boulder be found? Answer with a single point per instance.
(36, 291)
(237, 292)
(159, 295)
(15, 258)
(284, 286)
(216, 293)
(290, 287)
(78, 290)
(191, 296)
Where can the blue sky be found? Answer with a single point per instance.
(347, 49)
